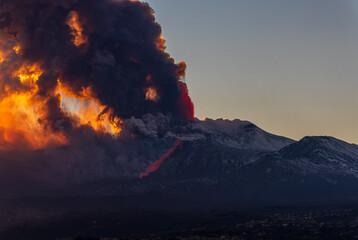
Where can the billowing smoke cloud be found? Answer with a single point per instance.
(108, 50)
(72, 74)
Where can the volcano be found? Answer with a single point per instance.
(234, 162)
(96, 118)
(165, 165)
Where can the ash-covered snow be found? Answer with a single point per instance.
(231, 133)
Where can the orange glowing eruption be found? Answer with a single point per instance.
(151, 94)
(21, 111)
(100, 75)
(16, 49)
(20, 127)
(78, 35)
(20, 114)
(88, 111)
(28, 75)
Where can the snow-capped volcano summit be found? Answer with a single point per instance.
(236, 133)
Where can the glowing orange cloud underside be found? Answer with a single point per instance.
(21, 111)
(19, 124)
(86, 110)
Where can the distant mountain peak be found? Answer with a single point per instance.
(312, 145)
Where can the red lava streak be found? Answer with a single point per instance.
(157, 164)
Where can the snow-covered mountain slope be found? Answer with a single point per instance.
(205, 158)
(230, 145)
(209, 147)
(312, 169)
(321, 169)
(243, 135)
(320, 155)
(236, 133)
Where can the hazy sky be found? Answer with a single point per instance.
(289, 66)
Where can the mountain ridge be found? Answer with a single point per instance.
(226, 161)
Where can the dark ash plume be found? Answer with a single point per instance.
(112, 47)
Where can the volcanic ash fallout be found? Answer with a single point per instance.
(75, 64)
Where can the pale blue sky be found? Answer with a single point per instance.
(291, 67)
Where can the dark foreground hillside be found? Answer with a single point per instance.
(38, 219)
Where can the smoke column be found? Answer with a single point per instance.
(109, 53)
